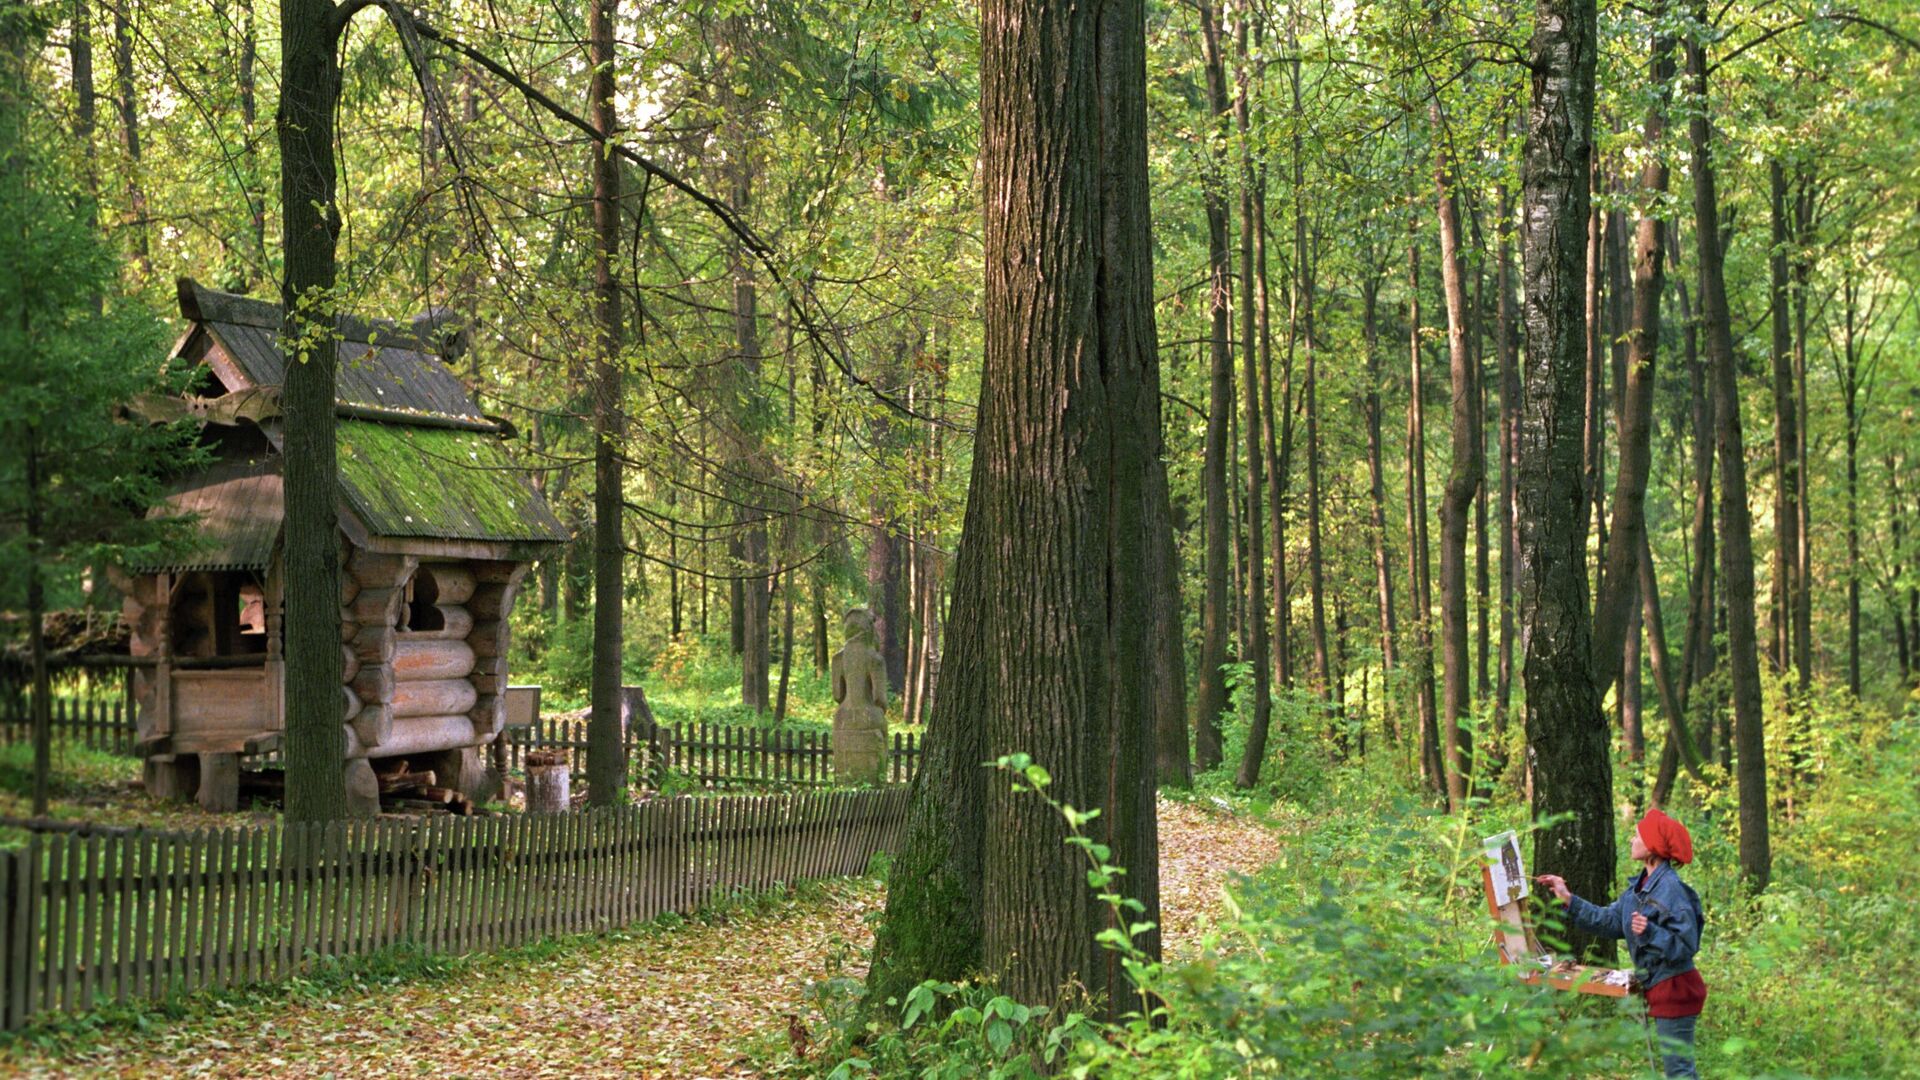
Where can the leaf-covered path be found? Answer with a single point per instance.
(708, 999)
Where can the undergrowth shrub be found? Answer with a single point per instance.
(1363, 950)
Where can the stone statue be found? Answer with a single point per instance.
(860, 717)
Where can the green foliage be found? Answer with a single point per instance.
(1362, 952)
(73, 481)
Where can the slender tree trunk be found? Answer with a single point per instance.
(1255, 751)
(1303, 263)
(1051, 633)
(1211, 700)
(1377, 494)
(1567, 735)
(1463, 480)
(786, 647)
(1418, 558)
(128, 105)
(316, 740)
(1509, 415)
(1850, 403)
(606, 748)
(1803, 576)
(41, 701)
(1618, 600)
(1786, 428)
(1736, 550)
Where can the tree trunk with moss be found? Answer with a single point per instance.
(1050, 644)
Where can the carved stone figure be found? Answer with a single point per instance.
(860, 717)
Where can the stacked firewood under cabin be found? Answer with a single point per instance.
(403, 790)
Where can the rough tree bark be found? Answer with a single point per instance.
(1567, 737)
(1050, 635)
(309, 99)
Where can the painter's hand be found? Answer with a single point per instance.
(1557, 883)
(1639, 923)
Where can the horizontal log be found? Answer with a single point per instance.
(437, 697)
(371, 569)
(373, 726)
(376, 606)
(451, 583)
(348, 625)
(491, 572)
(426, 734)
(350, 704)
(491, 602)
(349, 663)
(415, 660)
(349, 588)
(489, 715)
(489, 639)
(374, 644)
(455, 624)
(374, 683)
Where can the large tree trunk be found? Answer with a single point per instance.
(1255, 752)
(1463, 480)
(1567, 735)
(1211, 700)
(606, 748)
(309, 97)
(1051, 634)
(748, 421)
(1736, 549)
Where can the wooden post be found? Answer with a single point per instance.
(548, 783)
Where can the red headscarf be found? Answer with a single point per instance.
(1666, 838)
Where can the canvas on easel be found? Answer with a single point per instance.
(1504, 875)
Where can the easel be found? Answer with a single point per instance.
(1513, 936)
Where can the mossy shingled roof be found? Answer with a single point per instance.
(442, 483)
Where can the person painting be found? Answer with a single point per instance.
(1659, 916)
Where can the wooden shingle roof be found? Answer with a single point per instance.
(241, 505)
(417, 458)
(382, 365)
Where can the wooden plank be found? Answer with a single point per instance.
(91, 913)
(10, 874)
(140, 966)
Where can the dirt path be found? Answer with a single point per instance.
(697, 1001)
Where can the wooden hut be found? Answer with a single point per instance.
(437, 530)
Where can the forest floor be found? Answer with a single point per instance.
(709, 998)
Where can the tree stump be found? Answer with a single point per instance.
(548, 784)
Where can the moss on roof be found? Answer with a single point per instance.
(438, 482)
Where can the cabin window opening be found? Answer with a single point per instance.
(422, 609)
(218, 613)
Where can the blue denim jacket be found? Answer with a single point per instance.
(1673, 916)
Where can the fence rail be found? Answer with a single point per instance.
(86, 920)
(96, 722)
(718, 755)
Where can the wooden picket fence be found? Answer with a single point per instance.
(96, 722)
(89, 919)
(716, 755)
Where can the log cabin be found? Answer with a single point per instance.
(437, 529)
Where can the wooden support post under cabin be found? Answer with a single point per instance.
(219, 783)
(548, 783)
